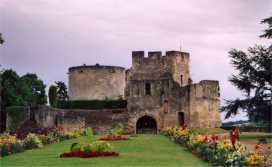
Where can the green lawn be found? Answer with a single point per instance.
(246, 136)
(210, 131)
(143, 150)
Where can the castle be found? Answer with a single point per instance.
(158, 90)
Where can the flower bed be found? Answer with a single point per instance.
(83, 154)
(217, 150)
(90, 148)
(113, 138)
(11, 144)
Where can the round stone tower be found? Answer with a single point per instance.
(96, 82)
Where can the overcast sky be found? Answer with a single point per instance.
(48, 36)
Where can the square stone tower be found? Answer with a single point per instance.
(159, 92)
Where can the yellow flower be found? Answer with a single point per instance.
(6, 139)
(182, 132)
(200, 138)
(224, 144)
(255, 159)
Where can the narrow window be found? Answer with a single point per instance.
(181, 118)
(181, 79)
(147, 89)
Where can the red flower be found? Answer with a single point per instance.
(206, 139)
(258, 147)
(215, 137)
(83, 154)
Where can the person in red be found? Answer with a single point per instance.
(237, 133)
(233, 136)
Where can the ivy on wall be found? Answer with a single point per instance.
(17, 115)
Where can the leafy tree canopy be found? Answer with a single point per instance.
(1, 39)
(14, 91)
(254, 78)
(62, 93)
(27, 90)
(37, 89)
(52, 93)
(268, 31)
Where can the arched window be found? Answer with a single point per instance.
(147, 89)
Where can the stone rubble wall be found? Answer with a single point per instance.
(204, 105)
(99, 120)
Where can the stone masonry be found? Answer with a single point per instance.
(158, 90)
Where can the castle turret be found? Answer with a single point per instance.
(179, 66)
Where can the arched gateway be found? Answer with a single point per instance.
(146, 124)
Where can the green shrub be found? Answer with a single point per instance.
(76, 147)
(92, 104)
(17, 147)
(32, 141)
(88, 148)
(101, 146)
(89, 134)
(4, 150)
(117, 130)
(46, 139)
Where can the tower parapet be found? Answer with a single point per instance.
(137, 58)
(155, 55)
(174, 62)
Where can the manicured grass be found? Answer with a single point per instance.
(256, 136)
(140, 151)
(210, 131)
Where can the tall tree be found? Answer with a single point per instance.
(37, 88)
(254, 78)
(52, 93)
(15, 92)
(268, 31)
(62, 93)
(1, 39)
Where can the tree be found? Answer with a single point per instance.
(255, 80)
(268, 31)
(15, 92)
(37, 89)
(62, 93)
(1, 39)
(52, 95)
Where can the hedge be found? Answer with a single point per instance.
(92, 104)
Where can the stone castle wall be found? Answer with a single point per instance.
(204, 104)
(173, 99)
(96, 82)
(156, 86)
(99, 120)
(174, 63)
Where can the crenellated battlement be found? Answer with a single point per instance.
(206, 89)
(155, 57)
(174, 62)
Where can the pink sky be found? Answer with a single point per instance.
(48, 36)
